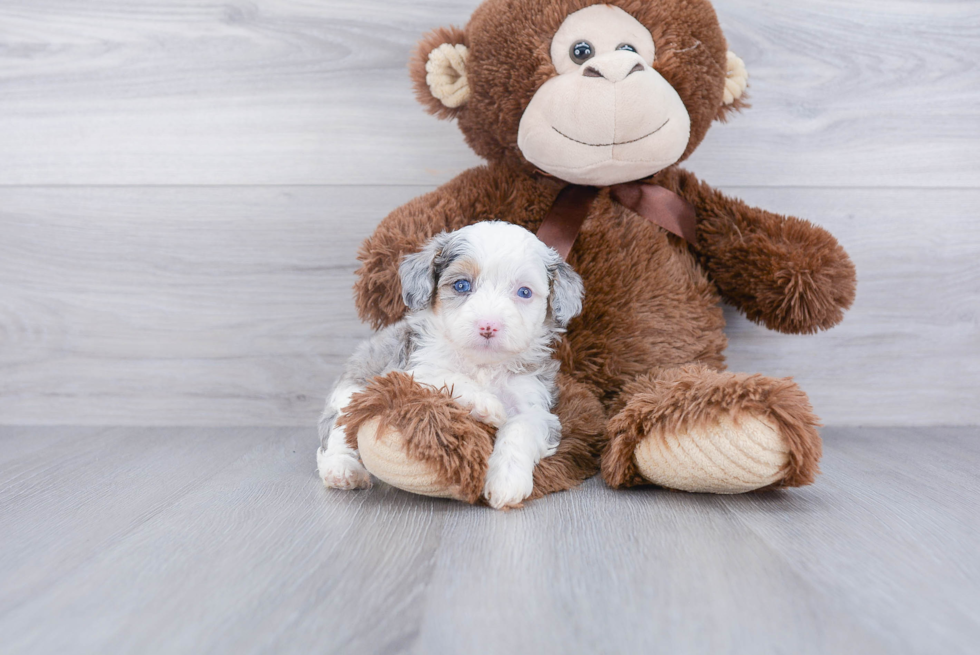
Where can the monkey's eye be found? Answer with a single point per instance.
(626, 46)
(524, 292)
(462, 286)
(581, 52)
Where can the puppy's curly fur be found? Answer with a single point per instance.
(487, 303)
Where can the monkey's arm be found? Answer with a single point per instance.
(781, 271)
(377, 291)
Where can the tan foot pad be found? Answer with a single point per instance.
(384, 456)
(724, 457)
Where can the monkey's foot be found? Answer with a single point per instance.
(695, 429)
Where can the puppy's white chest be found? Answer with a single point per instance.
(487, 378)
(501, 385)
(492, 380)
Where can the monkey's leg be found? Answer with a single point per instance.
(696, 429)
(418, 439)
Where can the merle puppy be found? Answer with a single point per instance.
(486, 305)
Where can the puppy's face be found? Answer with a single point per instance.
(494, 290)
(492, 301)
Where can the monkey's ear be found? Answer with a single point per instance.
(438, 70)
(736, 81)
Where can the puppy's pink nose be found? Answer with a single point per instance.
(488, 329)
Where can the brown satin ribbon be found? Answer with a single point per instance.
(564, 220)
(658, 205)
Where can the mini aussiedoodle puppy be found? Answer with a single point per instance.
(486, 305)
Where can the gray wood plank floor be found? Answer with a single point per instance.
(222, 540)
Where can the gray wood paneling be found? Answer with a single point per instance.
(233, 306)
(224, 541)
(879, 93)
(162, 262)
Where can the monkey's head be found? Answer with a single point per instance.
(591, 92)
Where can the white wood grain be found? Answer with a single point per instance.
(223, 306)
(19, 443)
(848, 535)
(97, 494)
(599, 571)
(246, 553)
(134, 303)
(876, 93)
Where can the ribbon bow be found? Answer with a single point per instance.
(658, 205)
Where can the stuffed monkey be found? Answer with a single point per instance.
(583, 111)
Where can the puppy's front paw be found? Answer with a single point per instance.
(508, 484)
(485, 408)
(342, 471)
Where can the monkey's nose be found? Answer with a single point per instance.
(614, 67)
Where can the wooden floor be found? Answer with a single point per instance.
(222, 540)
(183, 187)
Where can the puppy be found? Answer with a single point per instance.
(486, 305)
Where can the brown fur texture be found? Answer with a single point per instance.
(583, 437)
(677, 400)
(727, 112)
(781, 271)
(416, 68)
(442, 436)
(437, 431)
(651, 316)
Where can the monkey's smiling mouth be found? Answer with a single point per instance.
(614, 143)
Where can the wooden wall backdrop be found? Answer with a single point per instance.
(183, 185)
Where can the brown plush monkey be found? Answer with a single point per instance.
(554, 93)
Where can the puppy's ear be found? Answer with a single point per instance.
(566, 291)
(419, 275)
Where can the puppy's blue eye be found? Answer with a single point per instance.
(626, 46)
(462, 286)
(524, 292)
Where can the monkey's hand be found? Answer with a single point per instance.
(781, 271)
